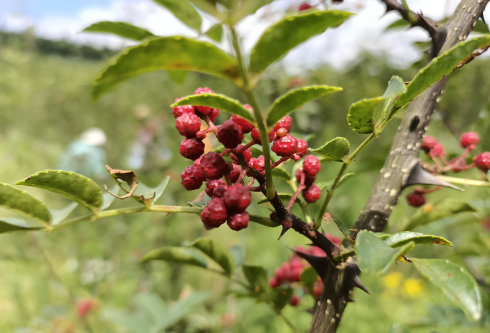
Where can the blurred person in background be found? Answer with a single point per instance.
(86, 155)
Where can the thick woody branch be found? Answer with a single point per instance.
(403, 156)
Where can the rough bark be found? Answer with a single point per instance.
(403, 155)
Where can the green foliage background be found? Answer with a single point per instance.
(45, 105)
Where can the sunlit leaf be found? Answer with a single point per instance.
(335, 149)
(69, 184)
(166, 53)
(374, 255)
(384, 111)
(246, 8)
(455, 282)
(184, 11)
(121, 29)
(481, 27)
(294, 99)
(360, 116)
(401, 23)
(22, 202)
(440, 67)
(224, 103)
(216, 251)
(215, 32)
(402, 238)
(177, 255)
(290, 32)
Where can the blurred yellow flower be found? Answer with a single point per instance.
(392, 280)
(413, 287)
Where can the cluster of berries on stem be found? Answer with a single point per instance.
(225, 184)
(435, 151)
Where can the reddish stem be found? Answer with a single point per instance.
(281, 160)
(251, 182)
(242, 174)
(242, 149)
(211, 125)
(301, 187)
(226, 152)
(254, 189)
(466, 152)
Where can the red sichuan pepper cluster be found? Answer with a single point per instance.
(435, 151)
(290, 272)
(224, 180)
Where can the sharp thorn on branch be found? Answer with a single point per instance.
(419, 176)
(319, 264)
(482, 18)
(286, 225)
(358, 284)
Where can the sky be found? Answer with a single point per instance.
(65, 19)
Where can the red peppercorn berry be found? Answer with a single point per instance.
(469, 140)
(428, 142)
(230, 134)
(192, 148)
(256, 136)
(284, 122)
(182, 109)
(285, 146)
(192, 178)
(237, 198)
(188, 125)
(312, 193)
(311, 165)
(238, 221)
(482, 161)
(416, 199)
(213, 166)
(217, 211)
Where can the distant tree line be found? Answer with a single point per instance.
(27, 41)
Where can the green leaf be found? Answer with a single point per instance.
(216, 251)
(69, 184)
(285, 197)
(384, 111)
(246, 8)
(256, 276)
(481, 27)
(455, 282)
(10, 224)
(440, 67)
(371, 115)
(430, 213)
(382, 235)
(401, 23)
(177, 77)
(161, 188)
(335, 149)
(360, 116)
(324, 185)
(178, 255)
(344, 178)
(184, 11)
(281, 173)
(208, 6)
(309, 276)
(402, 238)
(256, 152)
(22, 202)
(280, 297)
(215, 32)
(122, 29)
(166, 53)
(218, 101)
(374, 256)
(290, 32)
(59, 215)
(294, 99)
